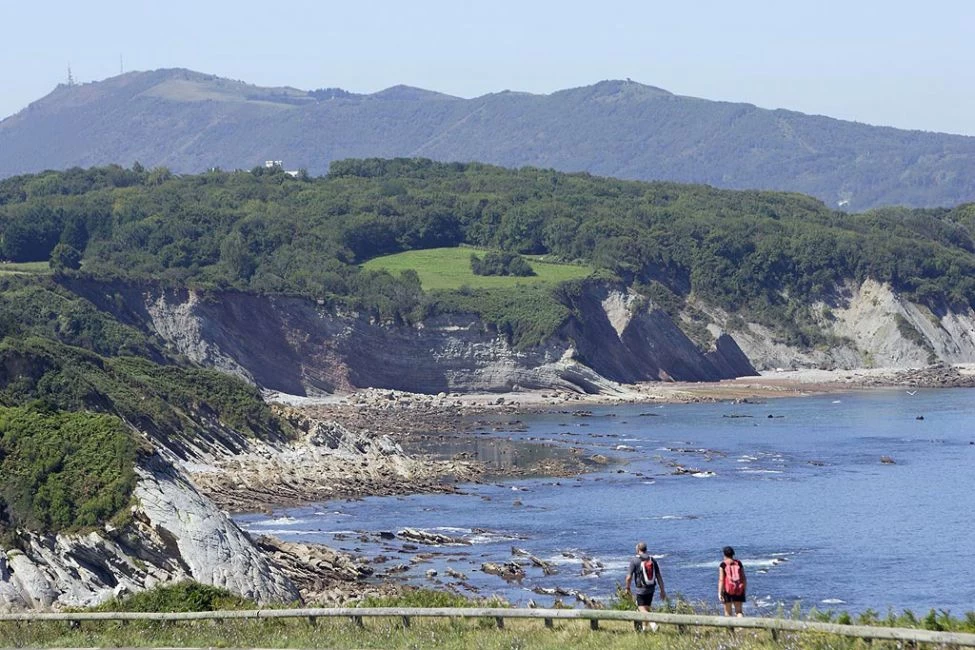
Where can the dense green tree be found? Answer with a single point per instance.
(766, 254)
(65, 257)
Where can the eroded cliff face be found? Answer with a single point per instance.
(874, 327)
(174, 534)
(294, 346)
(620, 336)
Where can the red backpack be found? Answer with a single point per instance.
(734, 584)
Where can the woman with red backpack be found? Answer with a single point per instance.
(731, 582)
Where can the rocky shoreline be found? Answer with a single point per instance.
(328, 461)
(355, 445)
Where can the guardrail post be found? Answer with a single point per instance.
(406, 621)
(549, 623)
(593, 623)
(637, 626)
(500, 622)
(313, 620)
(681, 629)
(357, 620)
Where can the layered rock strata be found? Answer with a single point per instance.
(174, 533)
(297, 347)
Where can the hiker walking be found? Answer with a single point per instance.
(731, 582)
(644, 576)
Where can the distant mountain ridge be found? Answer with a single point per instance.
(189, 121)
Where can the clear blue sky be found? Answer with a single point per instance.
(904, 64)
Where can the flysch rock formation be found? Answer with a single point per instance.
(869, 322)
(297, 347)
(174, 533)
(327, 461)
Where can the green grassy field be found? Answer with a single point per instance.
(25, 267)
(450, 268)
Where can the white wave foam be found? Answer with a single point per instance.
(279, 521)
(749, 563)
(616, 565)
(703, 474)
(291, 531)
(491, 537)
(832, 601)
(763, 562)
(562, 560)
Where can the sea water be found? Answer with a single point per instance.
(838, 502)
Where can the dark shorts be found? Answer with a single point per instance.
(728, 598)
(645, 600)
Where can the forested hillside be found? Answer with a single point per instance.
(70, 342)
(191, 122)
(764, 255)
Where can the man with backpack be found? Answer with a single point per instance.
(644, 576)
(731, 582)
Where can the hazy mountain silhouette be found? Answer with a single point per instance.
(189, 122)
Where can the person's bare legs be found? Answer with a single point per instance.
(727, 608)
(738, 609)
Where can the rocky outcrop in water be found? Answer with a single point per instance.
(322, 574)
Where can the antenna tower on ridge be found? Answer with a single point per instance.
(70, 77)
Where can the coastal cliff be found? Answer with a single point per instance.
(612, 337)
(872, 327)
(173, 533)
(296, 346)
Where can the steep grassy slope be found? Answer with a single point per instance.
(63, 471)
(191, 122)
(61, 353)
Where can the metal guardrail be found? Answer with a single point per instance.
(500, 614)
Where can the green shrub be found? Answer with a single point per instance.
(63, 471)
(501, 263)
(526, 315)
(180, 597)
(415, 597)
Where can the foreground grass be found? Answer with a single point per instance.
(389, 634)
(450, 268)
